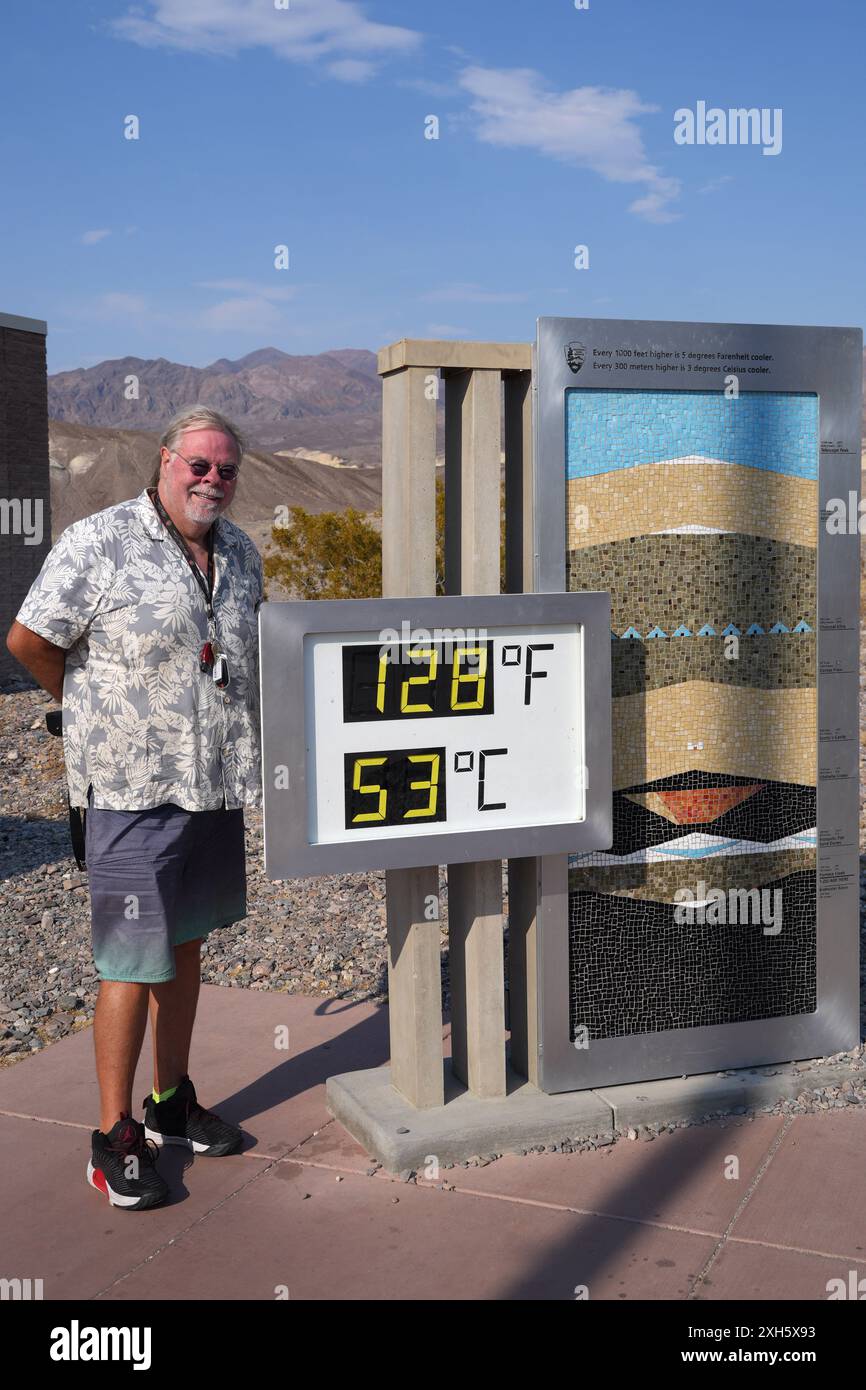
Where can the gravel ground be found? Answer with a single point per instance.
(322, 936)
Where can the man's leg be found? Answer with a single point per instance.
(118, 1031)
(172, 1015)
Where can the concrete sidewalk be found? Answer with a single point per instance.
(297, 1212)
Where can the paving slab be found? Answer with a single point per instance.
(401, 1137)
(816, 1199)
(332, 1146)
(364, 1238)
(767, 1274)
(677, 1179)
(59, 1229)
(238, 1064)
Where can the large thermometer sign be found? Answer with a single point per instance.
(401, 733)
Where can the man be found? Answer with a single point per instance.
(142, 621)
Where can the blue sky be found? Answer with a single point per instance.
(305, 126)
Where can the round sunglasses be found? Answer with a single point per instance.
(201, 467)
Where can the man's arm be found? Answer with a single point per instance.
(45, 661)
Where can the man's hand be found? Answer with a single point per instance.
(45, 661)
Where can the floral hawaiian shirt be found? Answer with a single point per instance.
(141, 722)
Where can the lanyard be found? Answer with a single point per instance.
(206, 588)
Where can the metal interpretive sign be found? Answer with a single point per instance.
(707, 475)
(398, 733)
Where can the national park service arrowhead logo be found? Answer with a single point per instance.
(575, 355)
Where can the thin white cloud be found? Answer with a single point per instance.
(136, 311)
(98, 234)
(446, 330)
(251, 288)
(121, 304)
(590, 126)
(473, 294)
(248, 315)
(715, 184)
(423, 84)
(333, 33)
(351, 70)
(249, 309)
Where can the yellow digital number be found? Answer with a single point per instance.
(478, 677)
(432, 786)
(405, 707)
(369, 790)
(380, 682)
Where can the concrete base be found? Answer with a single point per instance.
(402, 1138)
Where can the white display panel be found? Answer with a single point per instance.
(475, 734)
(370, 762)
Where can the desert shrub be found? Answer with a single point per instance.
(327, 555)
(339, 554)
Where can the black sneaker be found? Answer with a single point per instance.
(134, 1185)
(181, 1120)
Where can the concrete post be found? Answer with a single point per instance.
(523, 881)
(473, 372)
(409, 569)
(472, 561)
(414, 986)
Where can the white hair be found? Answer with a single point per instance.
(192, 415)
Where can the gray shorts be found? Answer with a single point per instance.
(159, 878)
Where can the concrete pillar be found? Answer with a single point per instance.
(473, 373)
(409, 569)
(414, 986)
(519, 534)
(473, 406)
(523, 883)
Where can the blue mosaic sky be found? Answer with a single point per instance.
(772, 430)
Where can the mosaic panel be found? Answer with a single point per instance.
(699, 515)
(753, 733)
(656, 498)
(765, 664)
(770, 430)
(634, 969)
(658, 881)
(692, 582)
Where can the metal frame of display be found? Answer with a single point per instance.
(828, 363)
(282, 629)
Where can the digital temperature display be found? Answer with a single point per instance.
(420, 681)
(395, 788)
(470, 717)
(404, 731)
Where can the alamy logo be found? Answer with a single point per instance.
(412, 645)
(854, 1289)
(739, 125)
(20, 1290)
(846, 518)
(21, 517)
(76, 1343)
(738, 906)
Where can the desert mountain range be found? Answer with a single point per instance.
(330, 402)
